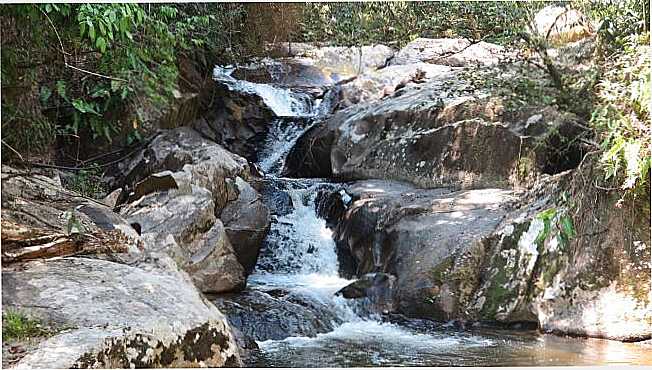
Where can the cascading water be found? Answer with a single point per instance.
(299, 259)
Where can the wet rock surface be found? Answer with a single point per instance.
(275, 314)
(377, 289)
(411, 233)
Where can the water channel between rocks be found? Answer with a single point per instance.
(298, 267)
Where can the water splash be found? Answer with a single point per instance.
(300, 242)
(282, 136)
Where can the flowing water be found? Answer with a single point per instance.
(299, 256)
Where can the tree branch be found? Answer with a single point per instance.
(63, 51)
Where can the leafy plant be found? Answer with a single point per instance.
(16, 325)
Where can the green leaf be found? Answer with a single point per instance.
(91, 32)
(100, 43)
(547, 214)
(80, 105)
(61, 89)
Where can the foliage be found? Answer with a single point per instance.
(622, 116)
(16, 325)
(556, 221)
(401, 22)
(87, 182)
(93, 65)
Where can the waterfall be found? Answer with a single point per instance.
(283, 102)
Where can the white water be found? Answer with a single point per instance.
(283, 102)
(300, 258)
(282, 136)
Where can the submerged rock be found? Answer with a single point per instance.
(376, 288)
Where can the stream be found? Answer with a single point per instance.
(299, 259)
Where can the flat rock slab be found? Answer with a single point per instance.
(121, 316)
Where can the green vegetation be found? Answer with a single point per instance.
(87, 182)
(16, 325)
(100, 76)
(398, 23)
(95, 72)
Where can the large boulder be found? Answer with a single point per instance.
(124, 304)
(412, 233)
(560, 25)
(336, 62)
(192, 196)
(35, 205)
(122, 316)
(438, 133)
(451, 52)
(246, 221)
(181, 222)
(183, 149)
(561, 255)
(377, 84)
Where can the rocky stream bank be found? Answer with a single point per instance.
(328, 188)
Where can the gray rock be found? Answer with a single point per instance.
(376, 288)
(120, 316)
(184, 225)
(337, 63)
(275, 315)
(122, 305)
(412, 233)
(561, 25)
(206, 163)
(436, 134)
(178, 207)
(246, 221)
(451, 52)
(377, 84)
(37, 201)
